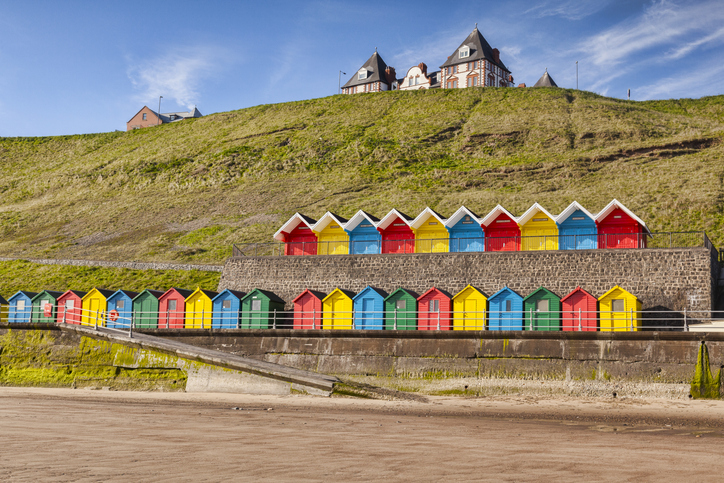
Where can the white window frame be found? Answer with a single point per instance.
(362, 74)
(464, 52)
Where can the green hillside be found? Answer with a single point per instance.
(187, 191)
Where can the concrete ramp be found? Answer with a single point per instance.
(210, 370)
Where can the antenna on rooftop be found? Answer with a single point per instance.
(476, 25)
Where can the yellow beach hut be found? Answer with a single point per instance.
(469, 309)
(338, 310)
(619, 310)
(331, 237)
(94, 305)
(431, 236)
(538, 229)
(199, 309)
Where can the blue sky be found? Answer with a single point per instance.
(87, 66)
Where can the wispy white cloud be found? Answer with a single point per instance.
(684, 86)
(176, 75)
(681, 51)
(568, 9)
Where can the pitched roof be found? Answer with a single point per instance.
(479, 49)
(545, 81)
(570, 209)
(387, 220)
(127, 293)
(378, 291)
(166, 116)
(460, 214)
(375, 72)
(531, 212)
(326, 219)
(494, 213)
(155, 293)
(292, 223)
(617, 204)
(425, 215)
(358, 218)
(413, 294)
(3, 301)
(314, 293)
(266, 293)
(505, 289)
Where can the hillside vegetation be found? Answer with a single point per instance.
(188, 190)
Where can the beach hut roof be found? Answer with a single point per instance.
(127, 293)
(155, 293)
(326, 219)
(181, 291)
(444, 292)
(531, 212)
(3, 301)
(577, 289)
(613, 290)
(348, 293)
(358, 218)
(315, 293)
(408, 292)
(572, 208)
(427, 213)
(494, 213)
(378, 291)
(235, 293)
(78, 293)
(292, 223)
(617, 204)
(102, 291)
(504, 289)
(541, 288)
(270, 295)
(210, 294)
(24, 293)
(472, 287)
(391, 216)
(460, 214)
(52, 293)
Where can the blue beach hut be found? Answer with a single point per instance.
(363, 235)
(369, 309)
(20, 307)
(227, 306)
(466, 232)
(122, 302)
(505, 310)
(576, 229)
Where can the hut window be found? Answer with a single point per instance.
(334, 226)
(577, 218)
(366, 225)
(540, 219)
(256, 305)
(171, 305)
(617, 305)
(508, 306)
(432, 223)
(467, 220)
(121, 304)
(43, 303)
(226, 304)
(69, 304)
(401, 304)
(541, 305)
(434, 306)
(503, 221)
(617, 216)
(398, 224)
(21, 304)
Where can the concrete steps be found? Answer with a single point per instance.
(262, 372)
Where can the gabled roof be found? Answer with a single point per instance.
(435, 289)
(378, 291)
(24, 293)
(479, 49)
(235, 293)
(348, 293)
(326, 219)
(183, 292)
(531, 212)
(211, 295)
(155, 293)
(613, 290)
(577, 289)
(3, 301)
(292, 223)
(507, 290)
(468, 286)
(422, 217)
(375, 72)
(572, 208)
(127, 293)
(408, 292)
(459, 215)
(358, 218)
(105, 293)
(494, 213)
(78, 293)
(617, 204)
(314, 293)
(270, 295)
(52, 293)
(545, 81)
(541, 288)
(387, 220)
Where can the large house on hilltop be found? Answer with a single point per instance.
(147, 118)
(373, 76)
(475, 63)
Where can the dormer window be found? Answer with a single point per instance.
(362, 74)
(464, 52)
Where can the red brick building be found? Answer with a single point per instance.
(147, 118)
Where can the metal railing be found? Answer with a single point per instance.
(479, 244)
(418, 319)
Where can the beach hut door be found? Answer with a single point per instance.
(368, 307)
(540, 317)
(471, 317)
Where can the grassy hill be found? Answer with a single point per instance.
(186, 191)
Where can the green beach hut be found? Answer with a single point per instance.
(146, 309)
(261, 309)
(401, 310)
(545, 309)
(39, 302)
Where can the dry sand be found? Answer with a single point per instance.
(80, 435)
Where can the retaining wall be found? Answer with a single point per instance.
(663, 279)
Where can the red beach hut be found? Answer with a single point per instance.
(619, 227)
(70, 307)
(397, 235)
(580, 311)
(502, 233)
(308, 310)
(172, 307)
(433, 310)
(297, 235)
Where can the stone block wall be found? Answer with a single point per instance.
(663, 279)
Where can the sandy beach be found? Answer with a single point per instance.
(83, 435)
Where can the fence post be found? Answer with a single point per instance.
(630, 320)
(530, 322)
(274, 320)
(395, 318)
(579, 319)
(438, 317)
(65, 311)
(314, 318)
(130, 329)
(167, 312)
(96, 319)
(686, 322)
(203, 310)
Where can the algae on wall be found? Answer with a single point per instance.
(704, 385)
(45, 358)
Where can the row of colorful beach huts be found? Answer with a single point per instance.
(430, 232)
(370, 309)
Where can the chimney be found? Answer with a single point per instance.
(496, 56)
(522, 85)
(390, 74)
(423, 68)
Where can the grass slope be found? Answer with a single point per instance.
(186, 191)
